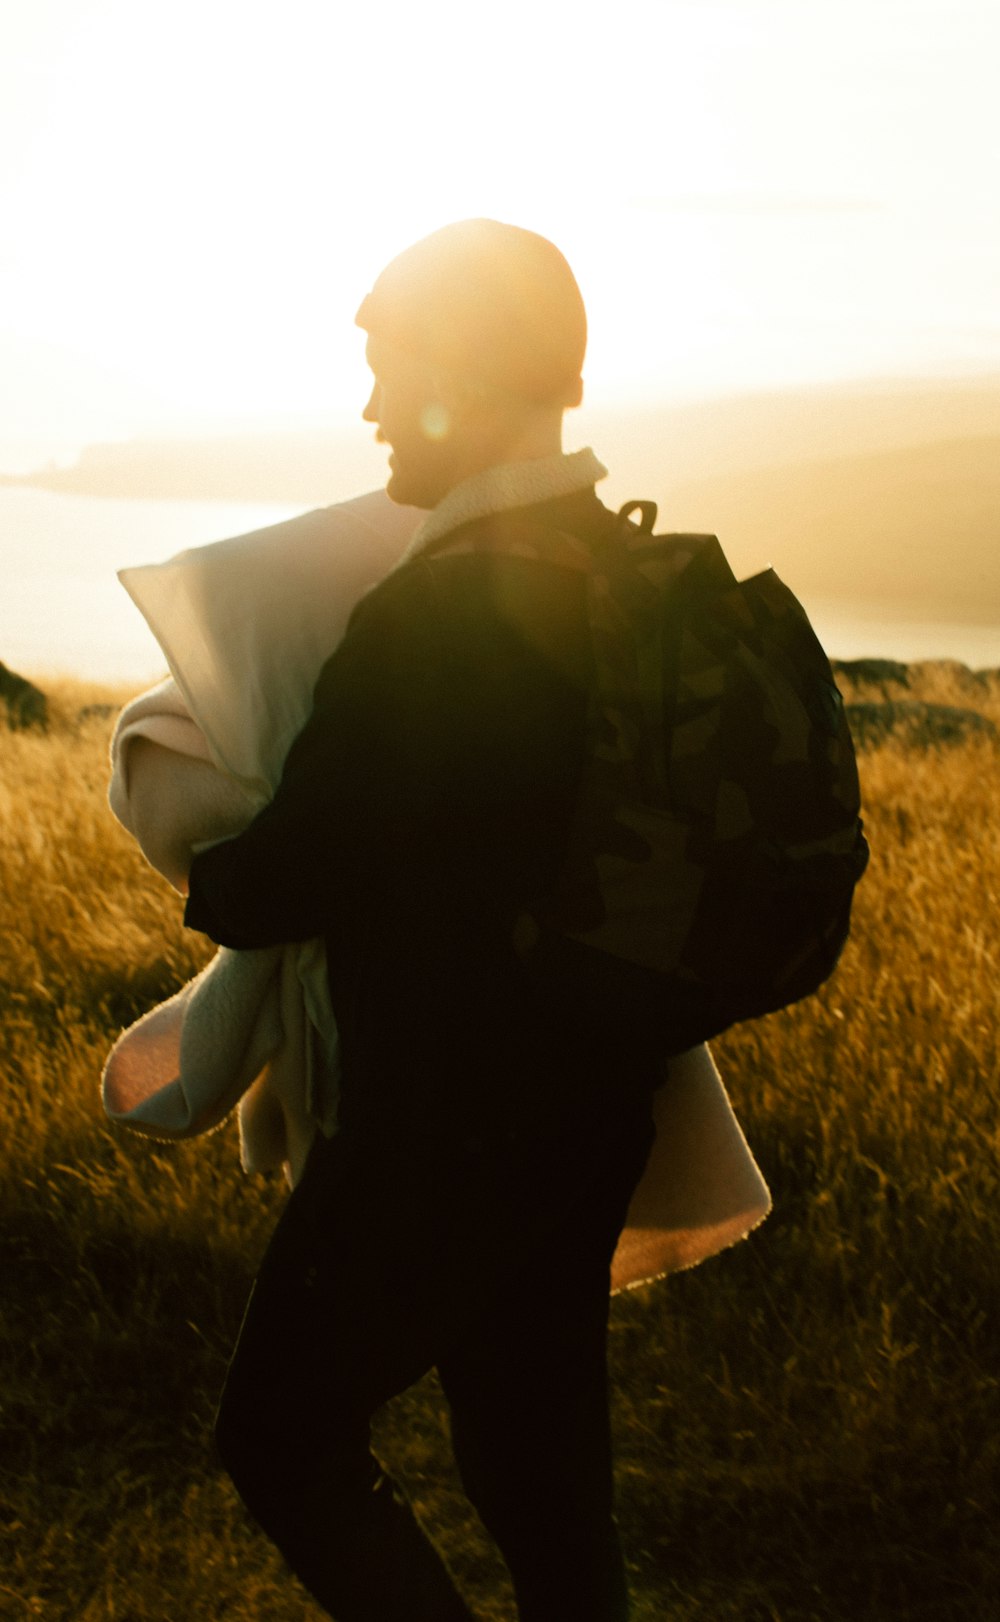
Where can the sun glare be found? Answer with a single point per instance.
(197, 197)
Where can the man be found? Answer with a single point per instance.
(494, 1117)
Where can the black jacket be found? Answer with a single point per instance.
(422, 810)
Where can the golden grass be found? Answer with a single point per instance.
(807, 1426)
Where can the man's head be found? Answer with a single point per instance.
(476, 339)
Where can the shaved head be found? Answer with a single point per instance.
(491, 302)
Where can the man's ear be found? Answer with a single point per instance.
(458, 395)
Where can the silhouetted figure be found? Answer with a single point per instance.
(490, 1130)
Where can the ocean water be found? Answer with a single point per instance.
(62, 610)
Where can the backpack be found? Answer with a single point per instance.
(717, 838)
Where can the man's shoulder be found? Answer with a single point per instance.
(522, 564)
(391, 630)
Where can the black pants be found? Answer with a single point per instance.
(489, 1259)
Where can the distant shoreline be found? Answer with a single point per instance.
(659, 445)
(879, 507)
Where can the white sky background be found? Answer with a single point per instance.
(195, 195)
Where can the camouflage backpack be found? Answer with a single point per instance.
(717, 839)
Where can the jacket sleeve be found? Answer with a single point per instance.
(358, 779)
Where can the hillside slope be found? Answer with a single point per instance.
(916, 529)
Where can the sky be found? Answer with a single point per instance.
(753, 193)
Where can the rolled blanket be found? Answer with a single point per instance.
(245, 626)
(183, 800)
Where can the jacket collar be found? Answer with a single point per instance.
(505, 487)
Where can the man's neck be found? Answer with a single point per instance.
(502, 441)
(537, 438)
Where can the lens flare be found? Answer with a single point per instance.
(435, 422)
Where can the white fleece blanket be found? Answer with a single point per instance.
(245, 626)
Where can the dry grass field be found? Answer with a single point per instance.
(808, 1427)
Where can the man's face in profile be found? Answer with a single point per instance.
(414, 423)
